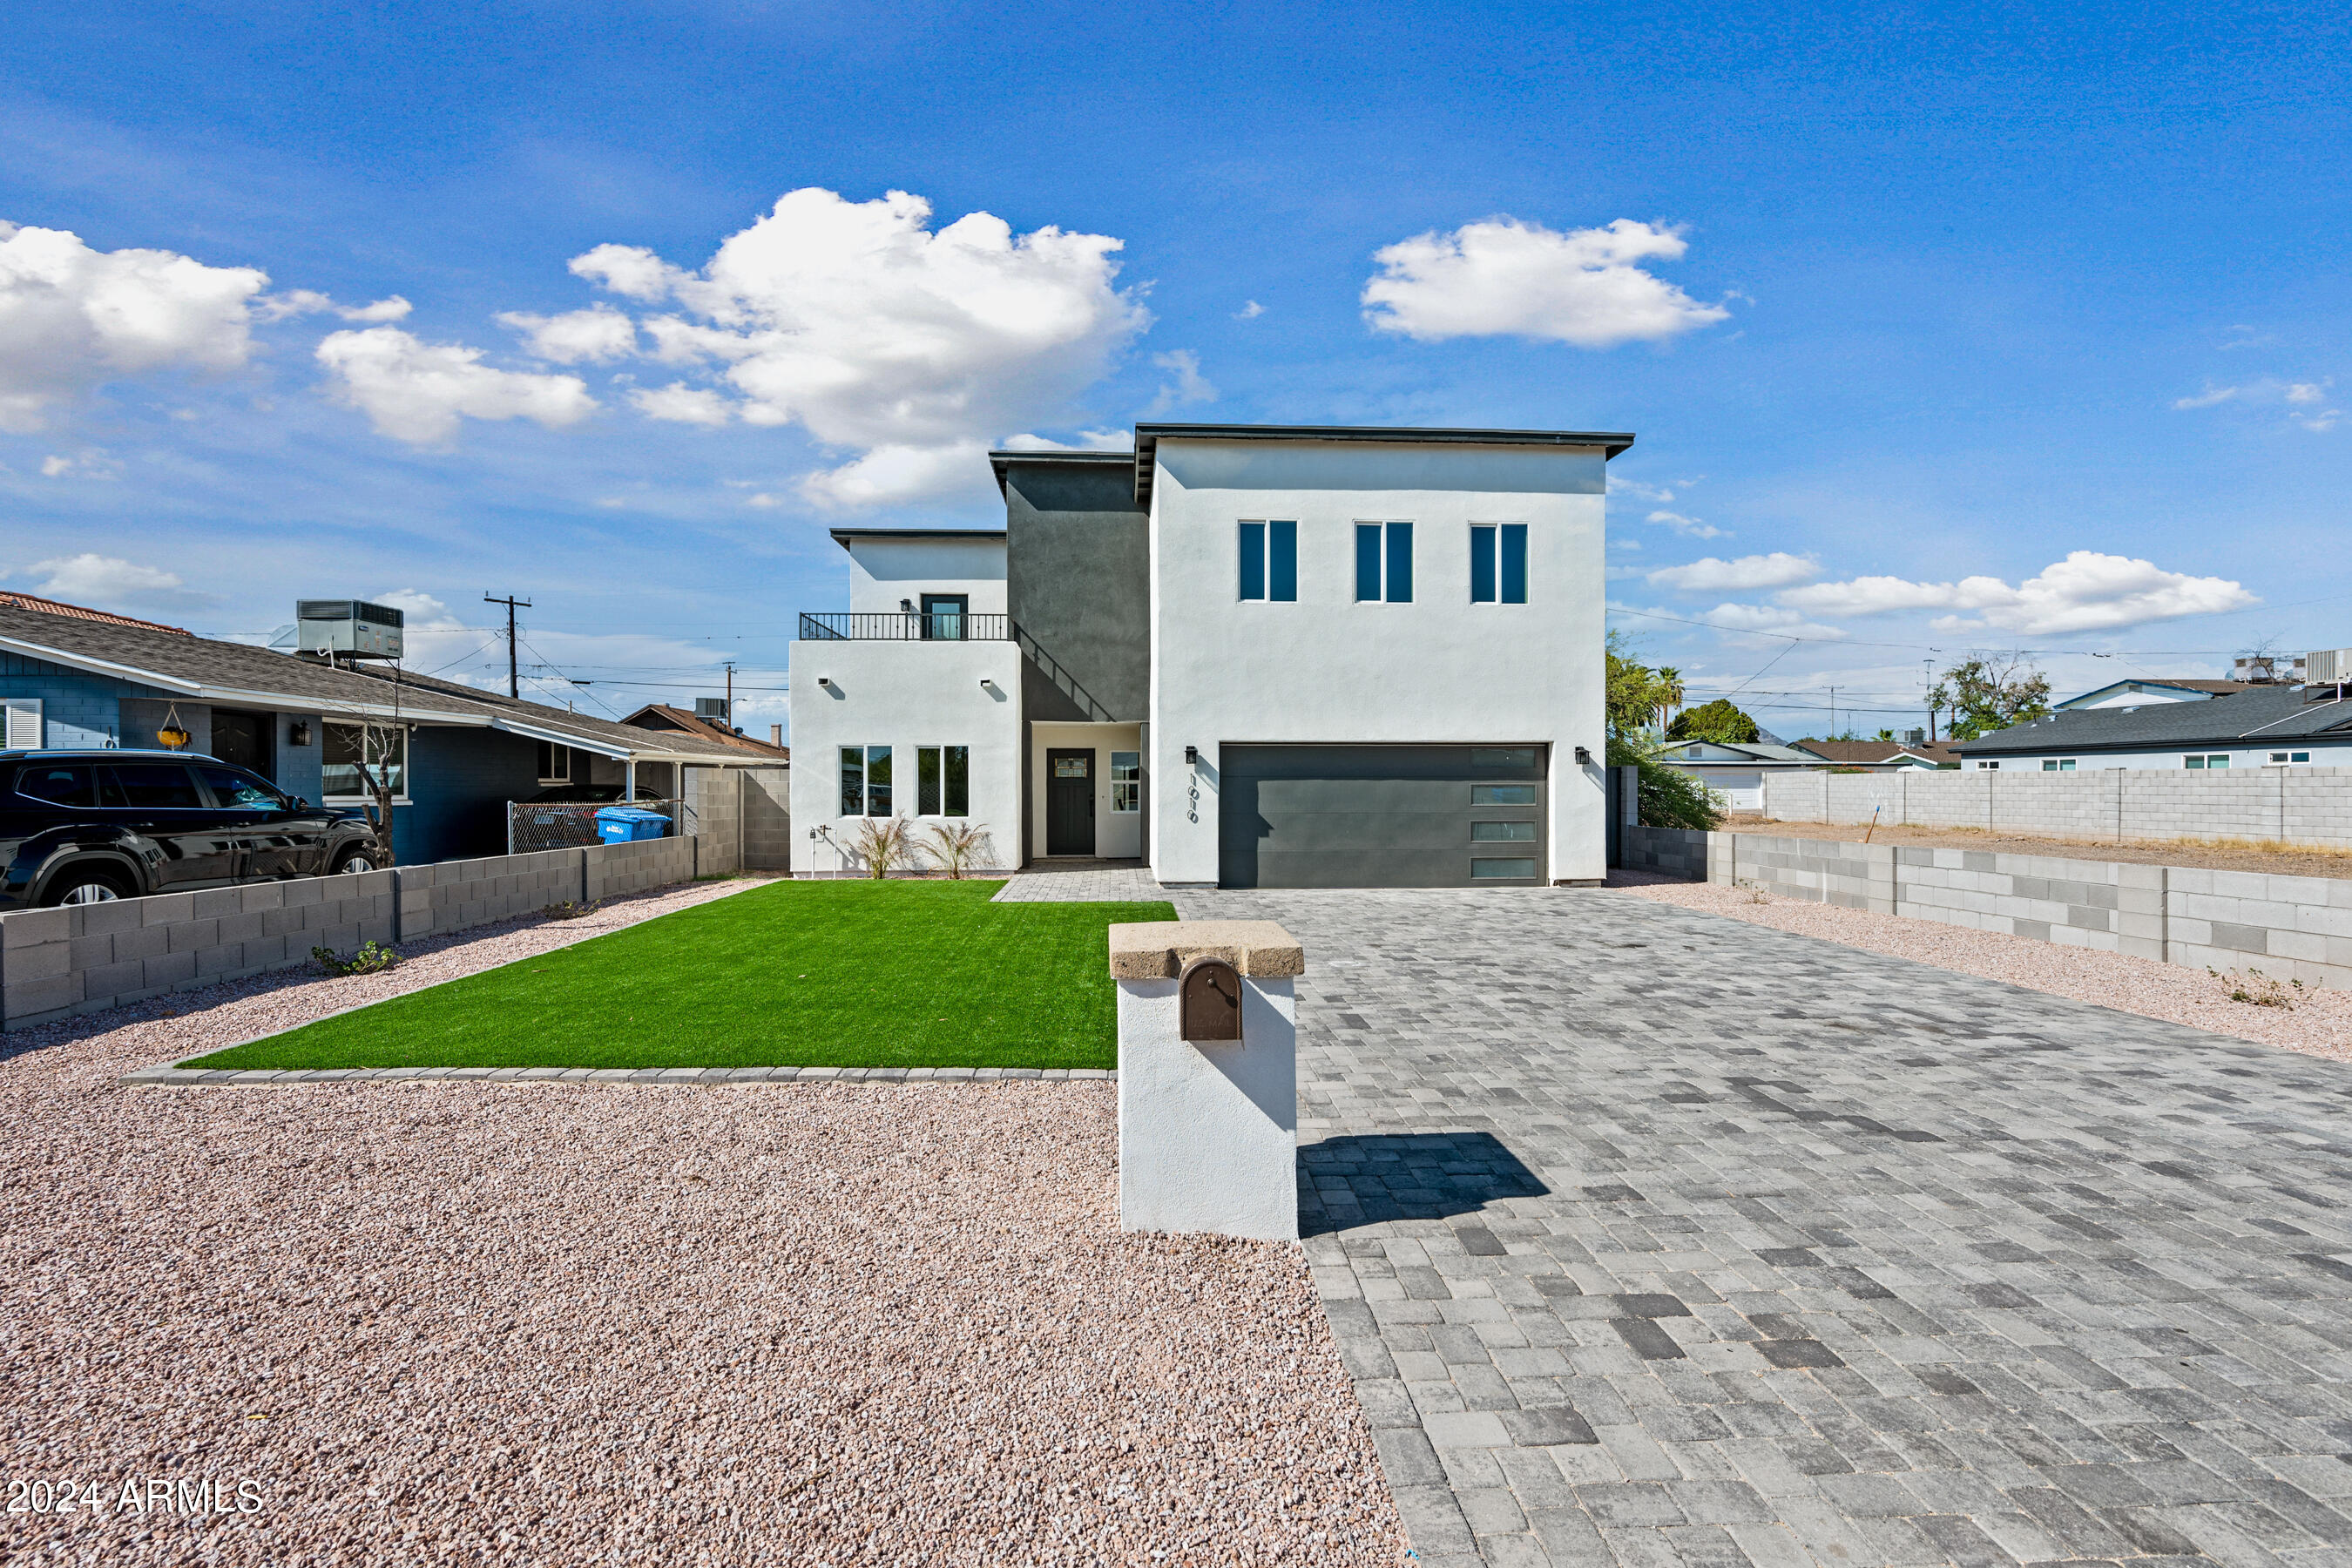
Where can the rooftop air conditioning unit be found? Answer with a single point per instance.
(2326, 666)
(713, 709)
(1914, 737)
(349, 627)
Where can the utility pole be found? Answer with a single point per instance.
(514, 676)
(731, 694)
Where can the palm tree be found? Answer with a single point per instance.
(1669, 688)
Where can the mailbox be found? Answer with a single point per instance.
(1209, 1002)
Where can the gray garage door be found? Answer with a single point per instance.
(1380, 816)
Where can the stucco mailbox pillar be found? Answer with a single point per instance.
(1208, 1124)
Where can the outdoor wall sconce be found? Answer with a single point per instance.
(1209, 1002)
(298, 733)
(1191, 756)
(1583, 757)
(986, 683)
(825, 680)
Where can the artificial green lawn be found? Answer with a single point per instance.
(861, 973)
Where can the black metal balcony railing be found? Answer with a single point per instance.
(950, 626)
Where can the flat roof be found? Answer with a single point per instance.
(1003, 457)
(842, 536)
(1149, 436)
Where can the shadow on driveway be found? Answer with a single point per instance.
(1352, 1181)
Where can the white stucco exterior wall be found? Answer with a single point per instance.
(904, 695)
(1118, 834)
(1208, 1135)
(1326, 669)
(882, 572)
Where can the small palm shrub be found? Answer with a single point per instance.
(882, 843)
(954, 845)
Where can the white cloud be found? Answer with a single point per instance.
(2306, 402)
(597, 333)
(877, 335)
(423, 612)
(1250, 311)
(392, 307)
(1709, 575)
(310, 302)
(1188, 386)
(102, 580)
(415, 392)
(72, 319)
(1503, 277)
(682, 405)
(1688, 526)
(2085, 592)
(91, 463)
(1767, 618)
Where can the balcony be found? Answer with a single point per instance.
(947, 625)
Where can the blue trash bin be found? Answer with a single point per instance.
(626, 824)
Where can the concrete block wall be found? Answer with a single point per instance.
(1857, 876)
(615, 870)
(2297, 805)
(55, 963)
(714, 808)
(2287, 928)
(453, 895)
(767, 819)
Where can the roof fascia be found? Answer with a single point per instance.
(1149, 436)
(100, 666)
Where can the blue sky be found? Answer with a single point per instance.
(1941, 331)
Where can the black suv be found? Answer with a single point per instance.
(80, 827)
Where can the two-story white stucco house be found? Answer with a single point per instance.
(1250, 656)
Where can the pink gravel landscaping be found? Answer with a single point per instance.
(2319, 1024)
(472, 1322)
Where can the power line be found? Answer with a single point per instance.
(510, 601)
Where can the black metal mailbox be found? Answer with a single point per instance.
(1209, 1002)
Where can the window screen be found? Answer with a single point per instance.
(927, 781)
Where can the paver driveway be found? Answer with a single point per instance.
(1653, 1235)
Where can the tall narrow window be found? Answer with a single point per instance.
(1127, 781)
(1515, 563)
(927, 781)
(959, 780)
(1482, 565)
(853, 781)
(1399, 587)
(1253, 560)
(877, 780)
(1282, 561)
(1384, 562)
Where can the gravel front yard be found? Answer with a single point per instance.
(2320, 1025)
(473, 1322)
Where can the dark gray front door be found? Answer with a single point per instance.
(242, 740)
(1069, 803)
(1382, 816)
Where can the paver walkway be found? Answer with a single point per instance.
(1662, 1239)
(1079, 882)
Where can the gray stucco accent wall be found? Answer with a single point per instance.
(1079, 580)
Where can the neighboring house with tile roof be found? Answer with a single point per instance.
(662, 716)
(2263, 726)
(70, 681)
(82, 613)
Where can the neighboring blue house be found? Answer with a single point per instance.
(76, 678)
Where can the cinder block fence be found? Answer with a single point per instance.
(2289, 927)
(55, 963)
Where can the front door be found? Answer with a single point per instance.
(1069, 803)
(943, 615)
(242, 740)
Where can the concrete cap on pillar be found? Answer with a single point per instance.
(1158, 950)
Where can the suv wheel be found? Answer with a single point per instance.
(88, 885)
(350, 864)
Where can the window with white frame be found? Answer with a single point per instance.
(2289, 759)
(554, 764)
(2206, 760)
(1987, 766)
(2058, 764)
(1269, 561)
(352, 755)
(1499, 563)
(1384, 562)
(942, 780)
(1127, 781)
(865, 781)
